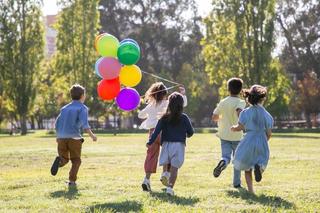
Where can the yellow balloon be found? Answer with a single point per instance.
(130, 76)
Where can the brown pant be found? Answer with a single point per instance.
(69, 148)
(151, 161)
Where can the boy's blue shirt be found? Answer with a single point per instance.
(72, 118)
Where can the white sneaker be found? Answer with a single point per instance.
(170, 191)
(165, 178)
(146, 185)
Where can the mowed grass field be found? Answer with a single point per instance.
(112, 170)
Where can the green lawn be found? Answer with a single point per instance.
(112, 171)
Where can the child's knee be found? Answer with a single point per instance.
(63, 161)
(76, 161)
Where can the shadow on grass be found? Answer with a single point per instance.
(273, 201)
(295, 136)
(125, 206)
(70, 194)
(185, 201)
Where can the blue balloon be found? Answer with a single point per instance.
(96, 67)
(131, 41)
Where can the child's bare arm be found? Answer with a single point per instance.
(215, 117)
(93, 137)
(269, 133)
(238, 110)
(237, 128)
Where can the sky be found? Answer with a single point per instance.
(50, 7)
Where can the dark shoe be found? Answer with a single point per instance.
(257, 173)
(55, 166)
(237, 186)
(146, 187)
(221, 166)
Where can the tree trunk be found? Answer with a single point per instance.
(23, 123)
(308, 119)
(32, 123)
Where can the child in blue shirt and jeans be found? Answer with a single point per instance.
(174, 126)
(72, 119)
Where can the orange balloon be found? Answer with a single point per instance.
(108, 89)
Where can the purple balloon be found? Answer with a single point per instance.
(96, 67)
(128, 99)
(109, 68)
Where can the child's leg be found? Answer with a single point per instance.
(173, 176)
(75, 156)
(226, 151)
(63, 151)
(151, 161)
(236, 173)
(248, 175)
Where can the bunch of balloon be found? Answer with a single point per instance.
(117, 67)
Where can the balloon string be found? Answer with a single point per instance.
(153, 75)
(162, 90)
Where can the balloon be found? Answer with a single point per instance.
(109, 68)
(130, 40)
(130, 76)
(128, 53)
(96, 40)
(96, 67)
(108, 89)
(107, 45)
(128, 99)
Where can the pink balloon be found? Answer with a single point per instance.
(109, 68)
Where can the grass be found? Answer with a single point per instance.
(112, 171)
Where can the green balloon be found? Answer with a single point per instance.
(128, 53)
(108, 46)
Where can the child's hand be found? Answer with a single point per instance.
(234, 128)
(94, 138)
(182, 90)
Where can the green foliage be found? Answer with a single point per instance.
(239, 42)
(21, 50)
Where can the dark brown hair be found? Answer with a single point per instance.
(255, 94)
(77, 91)
(156, 93)
(235, 86)
(175, 108)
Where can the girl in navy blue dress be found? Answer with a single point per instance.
(253, 151)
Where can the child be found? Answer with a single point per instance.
(156, 97)
(175, 127)
(253, 150)
(226, 113)
(72, 118)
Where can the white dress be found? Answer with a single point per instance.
(153, 112)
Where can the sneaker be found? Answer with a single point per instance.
(55, 166)
(257, 173)
(219, 168)
(170, 191)
(237, 186)
(165, 178)
(71, 184)
(146, 185)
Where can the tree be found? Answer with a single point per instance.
(239, 42)
(75, 58)
(21, 50)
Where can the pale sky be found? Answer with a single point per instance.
(50, 7)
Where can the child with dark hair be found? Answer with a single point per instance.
(253, 150)
(156, 97)
(72, 119)
(174, 126)
(226, 114)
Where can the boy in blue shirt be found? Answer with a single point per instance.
(72, 119)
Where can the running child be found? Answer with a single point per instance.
(226, 114)
(72, 119)
(174, 126)
(253, 150)
(156, 97)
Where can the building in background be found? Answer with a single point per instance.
(50, 35)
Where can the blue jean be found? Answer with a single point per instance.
(228, 148)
